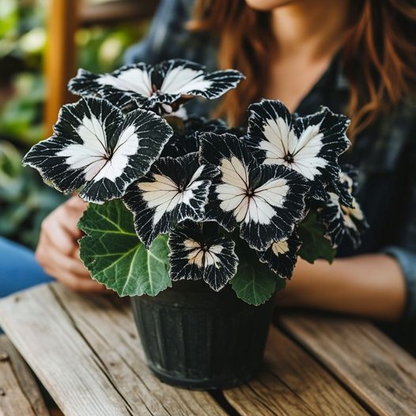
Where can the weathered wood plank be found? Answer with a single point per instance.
(60, 357)
(19, 393)
(85, 350)
(113, 336)
(365, 360)
(292, 383)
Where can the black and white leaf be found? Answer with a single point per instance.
(180, 145)
(310, 145)
(281, 256)
(174, 190)
(96, 149)
(195, 256)
(162, 87)
(188, 79)
(264, 201)
(128, 84)
(346, 185)
(339, 219)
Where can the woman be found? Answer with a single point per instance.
(352, 56)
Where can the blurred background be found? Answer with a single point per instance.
(42, 43)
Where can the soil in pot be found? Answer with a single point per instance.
(196, 338)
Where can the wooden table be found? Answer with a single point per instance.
(86, 353)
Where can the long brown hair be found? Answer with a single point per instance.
(378, 56)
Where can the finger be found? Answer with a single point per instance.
(76, 254)
(68, 263)
(50, 256)
(61, 225)
(76, 202)
(69, 219)
(57, 240)
(69, 214)
(54, 234)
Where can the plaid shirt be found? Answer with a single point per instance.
(385, 153)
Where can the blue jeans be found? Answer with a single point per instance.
(18, 268)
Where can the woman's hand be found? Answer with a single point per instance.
(58, 251)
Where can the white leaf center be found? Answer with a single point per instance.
(283, 147)
(183, 80)
(133, 79)
(94, 156)
(164, 194)
(203, 257)
(248, 204)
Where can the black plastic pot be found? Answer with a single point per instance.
(196, 338)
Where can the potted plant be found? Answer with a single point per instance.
(200, 224)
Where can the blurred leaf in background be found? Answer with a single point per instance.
(101, 49)
(24, 199)
(8, 18)
(21, 115)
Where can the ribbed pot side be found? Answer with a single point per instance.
(196, 338)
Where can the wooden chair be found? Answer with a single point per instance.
(65, 16)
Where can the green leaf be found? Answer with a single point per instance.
(9, 15)
(314, 243)
(254, 283)
(115, 256)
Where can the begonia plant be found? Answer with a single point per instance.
(185, 198)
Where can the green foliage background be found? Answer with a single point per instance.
(24, 199)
